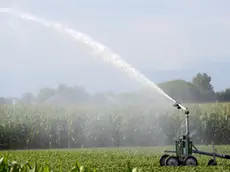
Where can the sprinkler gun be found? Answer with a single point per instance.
(179, 106)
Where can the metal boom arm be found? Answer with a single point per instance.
(179, 106)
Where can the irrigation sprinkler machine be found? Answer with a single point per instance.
(183, 155)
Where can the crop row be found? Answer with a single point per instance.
(15, 166)
(102, 159)
(39, 126)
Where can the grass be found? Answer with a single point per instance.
(112, 159)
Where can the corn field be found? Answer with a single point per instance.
(42, 127)
(6, 165)
(136, 159)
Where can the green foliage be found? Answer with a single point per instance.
(199, 90)
(40, 126)
(15, 166)
(224, 96)
(181, 90)
(102, 159)
(203, 83)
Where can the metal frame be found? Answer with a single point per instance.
(183, 154)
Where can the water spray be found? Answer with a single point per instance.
(105, 53)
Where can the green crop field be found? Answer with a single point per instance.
(111, 159)
(61, 136)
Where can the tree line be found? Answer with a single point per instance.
(198, 90)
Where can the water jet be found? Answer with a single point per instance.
(104, 52)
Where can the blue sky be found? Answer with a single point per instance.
(163, 39)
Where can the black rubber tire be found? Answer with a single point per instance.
(211, 162)
(190, 161)
(172, 161)
(163, 159)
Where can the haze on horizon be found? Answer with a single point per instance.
(163, 39)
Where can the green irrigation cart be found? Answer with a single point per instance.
(184, 148)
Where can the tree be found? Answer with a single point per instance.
(180, 90)
(67, 95)
(45, 94)
(3, 100)
(27, 98)
(203, 83)
(224, 96)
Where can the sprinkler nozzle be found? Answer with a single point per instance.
(177, 105)
(186, 112)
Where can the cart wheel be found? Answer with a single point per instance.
(163, 159)
(212, 162)
(190, 161)
(172, 161)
